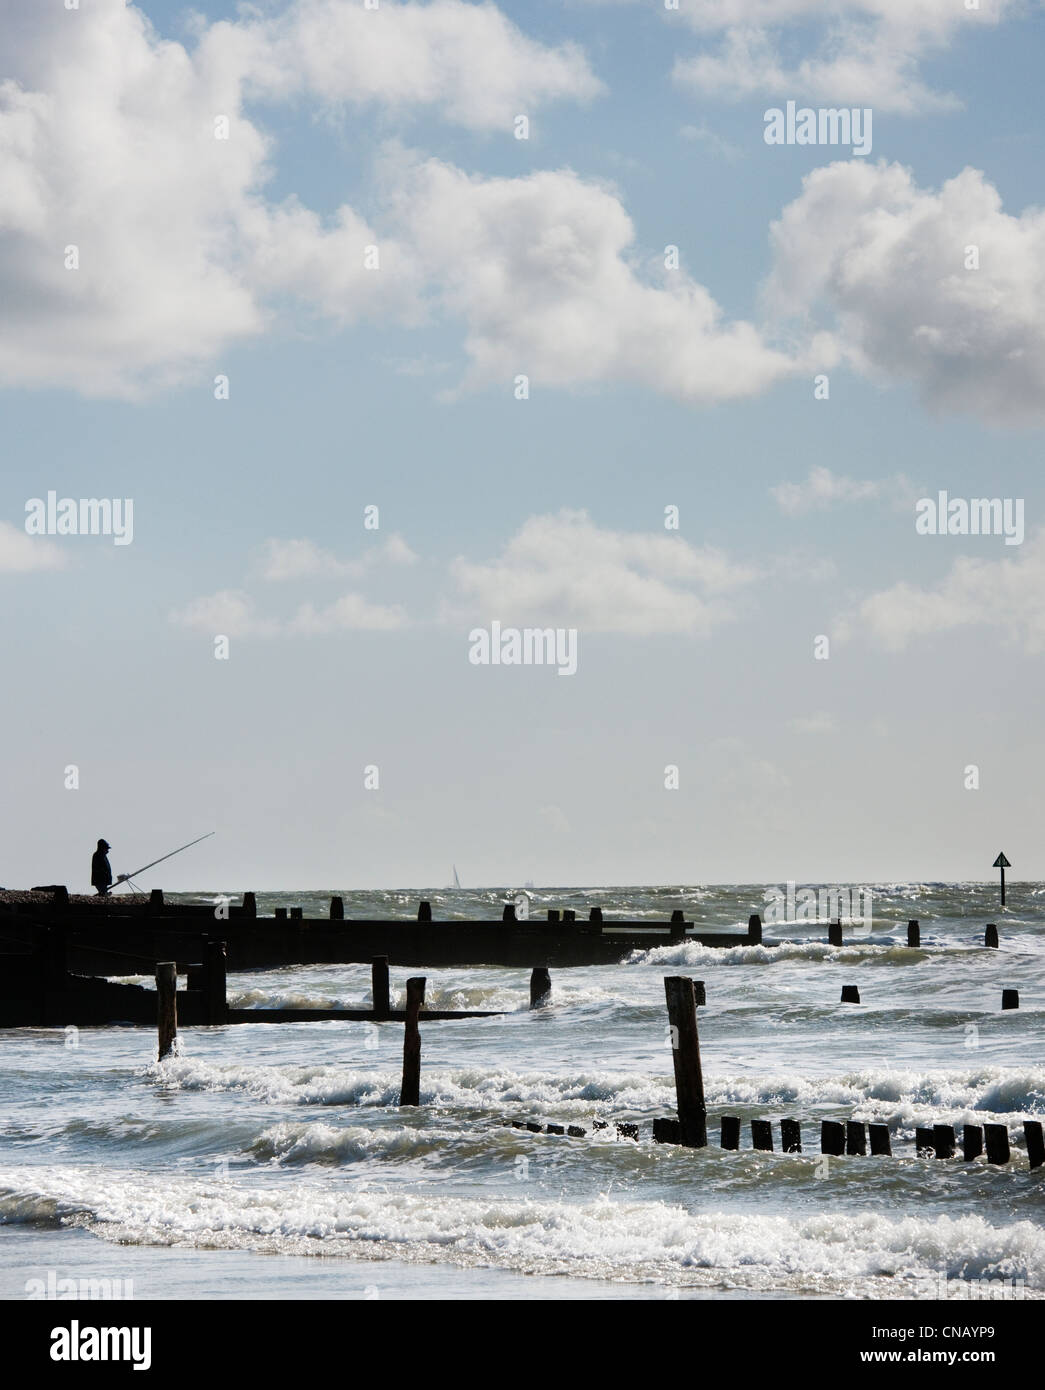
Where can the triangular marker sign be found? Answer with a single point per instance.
(1001, 863)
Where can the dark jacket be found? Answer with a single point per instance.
(101, 873)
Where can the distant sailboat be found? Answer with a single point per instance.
(457, 881)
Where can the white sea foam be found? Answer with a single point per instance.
(879, 1093)
(695, 953)
(870, 1254)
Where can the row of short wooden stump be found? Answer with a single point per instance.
(837, 1137)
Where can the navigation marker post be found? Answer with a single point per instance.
(1002, 863)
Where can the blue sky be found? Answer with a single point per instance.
(649, 388)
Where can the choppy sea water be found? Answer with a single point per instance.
(273, 1161)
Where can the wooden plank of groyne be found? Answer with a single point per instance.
(832, 1138)
(997, 1141)
(972, 1142)
(166, 1007)
(855, 1137)
(881, 1145)
(410, 1091)
(685, 1053)
(762, 1135)
(350, 1015)
(379, 987)
(1035, 1143)
(540, 986)
(791, 1136)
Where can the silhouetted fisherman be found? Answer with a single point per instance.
(101, 873)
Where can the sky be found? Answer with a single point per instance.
(390, 323)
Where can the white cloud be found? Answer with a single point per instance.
(397, 552)
(301, 559)
(468, 61)
(852, 52)
(229, 613)
(22, 554)
(713, 142)
(541, 271)
(887, 259)
(823, 489)
(350, 613)
(1006, 594)
(107, 144)
(232, 613)
(297, 559)
(566, 571)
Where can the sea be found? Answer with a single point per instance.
(272, 1161)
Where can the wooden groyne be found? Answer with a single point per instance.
(838, 1138)
(114, 935)
(37, 990)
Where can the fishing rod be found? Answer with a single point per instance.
(125, 878)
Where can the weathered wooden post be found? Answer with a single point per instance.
(881, 1146)
(553, 914)
(754, 930)
(540, 986)
(215, 983)
(914, 934)
(156, 902)
(850, 994)
(990, 936)
(834, 932)
(855, 1137)
(60, 897)
(296, 914)
(972, 1142)
(791, 1136)
(677, 915)
(166, 1006)
(595, 915)
(666, 1131)
(337, 909)
(379, 986)
(762, 1135)
(729, 1132)
(997, 1141)
(424, 912)
(832, 1138)
(685, 1054)
(569, 914)
(943, 1141)
(280, 914)
(508, 913)
(410, 1091)
(924, 1145)
(1035, 1143)
(627, 1130)
(1010, 999)
(250, 905)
